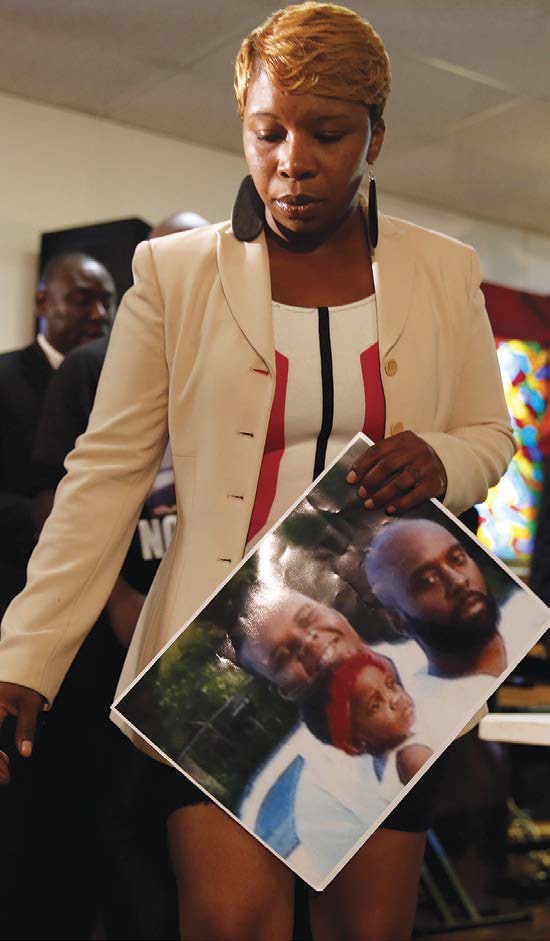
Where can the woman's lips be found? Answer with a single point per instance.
(297, 207)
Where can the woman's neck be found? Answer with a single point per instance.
(334, 272)
(344, 234)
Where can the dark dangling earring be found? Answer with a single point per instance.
(372, 215)
(247, 218)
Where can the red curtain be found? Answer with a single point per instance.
(518, 315)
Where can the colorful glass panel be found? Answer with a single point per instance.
(508, 517)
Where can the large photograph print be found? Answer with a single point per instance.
(329, 671)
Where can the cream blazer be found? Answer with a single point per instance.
(192, 357)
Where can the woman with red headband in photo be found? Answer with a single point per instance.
(261, 347)
(361, 707)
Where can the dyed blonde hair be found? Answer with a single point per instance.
(320, 48)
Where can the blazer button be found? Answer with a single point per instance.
(397, 428)
(390, 367)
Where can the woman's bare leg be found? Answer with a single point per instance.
(230, 888)
(374, 897)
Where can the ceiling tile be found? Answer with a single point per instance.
(505, 40)
(187, 107)
(426, 103)
(468, 118)
(167, 34)
(499, 171)
(67, 71)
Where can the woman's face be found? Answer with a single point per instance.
(382, 713)
(307, 155)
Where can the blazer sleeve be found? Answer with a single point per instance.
(111, 470)
(478, 444)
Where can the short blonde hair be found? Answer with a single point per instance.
(320, 48)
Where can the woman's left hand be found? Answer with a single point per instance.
(398, 473)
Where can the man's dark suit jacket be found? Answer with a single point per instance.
(24, 377)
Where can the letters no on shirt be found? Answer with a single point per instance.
(155, 535)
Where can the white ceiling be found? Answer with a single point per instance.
(468, 118)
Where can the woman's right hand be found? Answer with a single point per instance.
(25, 704)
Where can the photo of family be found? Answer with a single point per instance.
(332, 668)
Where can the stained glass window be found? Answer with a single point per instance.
(508, 517)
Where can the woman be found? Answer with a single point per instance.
(193, 354)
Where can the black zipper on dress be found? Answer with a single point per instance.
(327, 382)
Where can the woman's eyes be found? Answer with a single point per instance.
(322, 138)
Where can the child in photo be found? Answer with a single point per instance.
(361, 707)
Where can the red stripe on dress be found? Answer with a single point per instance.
(273, 451)
(375, 403)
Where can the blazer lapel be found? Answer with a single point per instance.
(244, 274)
(394, 273)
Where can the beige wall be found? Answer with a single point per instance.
(59, 169)
(517, 258)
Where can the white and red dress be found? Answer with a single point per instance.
(328, 387)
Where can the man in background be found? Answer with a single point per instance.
(66, 413)
(75, 302)
(89, 802)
